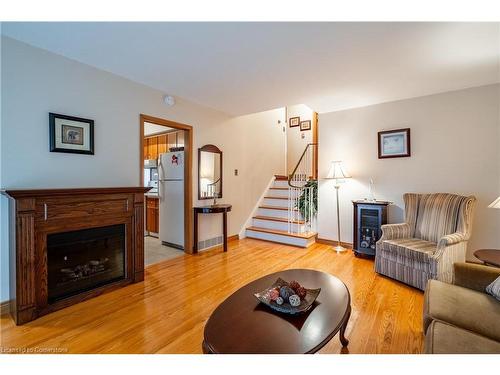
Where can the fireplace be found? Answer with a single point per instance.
(82, 260)
(70, 245)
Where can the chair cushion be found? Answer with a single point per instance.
(443, 338)
(462, 307)
(411, 252)
(438, 215)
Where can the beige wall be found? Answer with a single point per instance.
(35, 82)
(455, 148)
(254, 145)
(297, 140)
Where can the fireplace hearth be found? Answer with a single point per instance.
(69, 245)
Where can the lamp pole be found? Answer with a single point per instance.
(338, 174)
(339, 248)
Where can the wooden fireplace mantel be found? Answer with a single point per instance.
(34, 214)
(32, 193)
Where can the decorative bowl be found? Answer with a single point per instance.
(305, 303)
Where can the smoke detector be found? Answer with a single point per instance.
(169, 100)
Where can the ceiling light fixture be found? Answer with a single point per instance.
(169, 100)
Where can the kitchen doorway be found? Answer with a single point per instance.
(171, 143)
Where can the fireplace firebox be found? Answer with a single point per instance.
(69, 245)
(82, 260)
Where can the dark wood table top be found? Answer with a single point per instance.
(213, 209)
(489, 256)
(241, 324)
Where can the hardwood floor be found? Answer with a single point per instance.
(167, 312)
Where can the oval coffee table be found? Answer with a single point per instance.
(241, 324)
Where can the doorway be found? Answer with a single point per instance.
(185, 150)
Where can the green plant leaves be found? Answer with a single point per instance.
(304, 202)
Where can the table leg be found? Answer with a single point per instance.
(224, 230)
(195, 230)
(343, 340)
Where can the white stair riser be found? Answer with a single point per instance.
(284, 184)
(272, 213)
(280, 193)
(276, 202)
(278, 225)
(280, 184)
(301, 242)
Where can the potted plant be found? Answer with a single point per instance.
(304, 201)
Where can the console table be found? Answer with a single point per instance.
(213, 209)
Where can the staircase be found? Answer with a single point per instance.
(273, 222)
(277, 218)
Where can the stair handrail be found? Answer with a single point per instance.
(291, 176)
(305, 168)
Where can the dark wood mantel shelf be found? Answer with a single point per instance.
(31, 193)
(36, 214)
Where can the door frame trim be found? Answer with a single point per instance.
(315, 122)
(188, 171)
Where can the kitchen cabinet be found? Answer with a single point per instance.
(146, 149)
(180, 138)
(153, 147)
(152, 215)
(162, 144)
(172, 139)
(156, 145)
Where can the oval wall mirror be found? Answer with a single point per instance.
(209, 172)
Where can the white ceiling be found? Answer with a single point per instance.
(151, 129)
(242, 68)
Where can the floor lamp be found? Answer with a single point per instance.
(338, 173)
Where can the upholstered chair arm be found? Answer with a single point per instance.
(393, 231)
(474, 276)
(445, 242)
(452, 239)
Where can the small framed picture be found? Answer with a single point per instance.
(394, 143)
(305, 125)
(69, 134)
(294, 121)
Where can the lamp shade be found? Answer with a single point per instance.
(337, 171)
(495, 203)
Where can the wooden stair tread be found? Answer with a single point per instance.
(275, 208)
(283, 198)
(280, 177)
(283, 232)
(278, 188)
(280, 219)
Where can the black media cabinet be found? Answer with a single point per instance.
(369, 216)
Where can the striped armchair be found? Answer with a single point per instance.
(432, 238)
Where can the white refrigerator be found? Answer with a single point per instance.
(171, 194)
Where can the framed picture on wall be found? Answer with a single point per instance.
(294, 121)
(305, 125)
(394, 143)
(69, 134)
